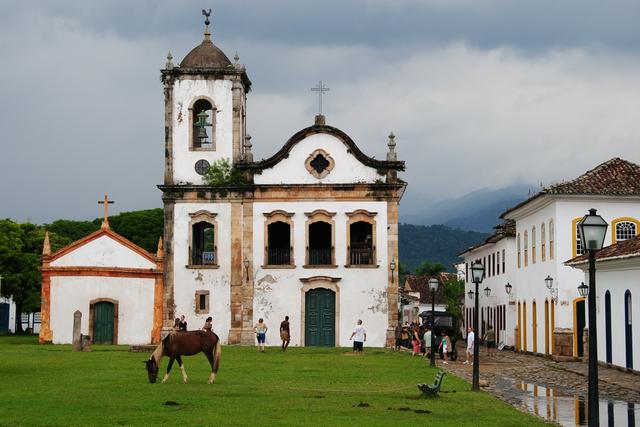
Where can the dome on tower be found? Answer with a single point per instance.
(205, 55)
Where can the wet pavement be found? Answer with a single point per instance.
(555, 391)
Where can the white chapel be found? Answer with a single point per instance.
(311, 232)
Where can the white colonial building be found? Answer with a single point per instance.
(551, 321)
(311, 232)
(617, 301)
(113, 283)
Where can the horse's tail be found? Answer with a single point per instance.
(216, 356)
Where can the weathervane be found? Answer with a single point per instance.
(207, 14)
(320, 88)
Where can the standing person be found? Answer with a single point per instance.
(208, 324)
(405, 335)
(427, 342)
(183, 323)
(360, 337)
(445, 345)
(260, 329)
(415, 340)
(398, 335)
(471, 338)
(284, 333)
(490, 338)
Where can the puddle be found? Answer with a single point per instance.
(570, 410)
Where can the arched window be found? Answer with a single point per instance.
(577, 241)
(278, 239)
(518, 249)
(203, 240)
(361, 238)
(320, 238)
(543, 243)
(624, 228)
(533, 245)
(526, 248)
(203, 118)
(551, 238)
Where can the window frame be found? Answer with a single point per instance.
(192, 121)
(575, 238)
(551, 238)
(196, 218)
(278, 216)
(543, 243)
(199, 293)
(620, 220)
(533, 244)
(362, 215)
(320, 215)
(519, 250)
(526, 247)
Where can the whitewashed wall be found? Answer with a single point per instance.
(184, 92)
(103, 252)
(292, 170)
(135, 310)
(362, 290)
(186, 281)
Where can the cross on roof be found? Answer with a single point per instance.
(320, 88)
(106, 202)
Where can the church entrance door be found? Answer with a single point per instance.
(320, 318)
(103, 322)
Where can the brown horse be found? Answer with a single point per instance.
(179, 344)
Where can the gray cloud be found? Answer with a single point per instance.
(533, 91)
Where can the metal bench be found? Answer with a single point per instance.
(431, 390)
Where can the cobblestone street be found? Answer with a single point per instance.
(555, 391)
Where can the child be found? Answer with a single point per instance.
(445, 344)
(208, 325)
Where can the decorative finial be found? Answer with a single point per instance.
(207, 14)
(392, 156)
(169, 64)
(46, 246)
(248, 155)
(160, 251)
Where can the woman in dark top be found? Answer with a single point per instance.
(208, 324)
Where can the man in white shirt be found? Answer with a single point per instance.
(471, 338)
(359, 336)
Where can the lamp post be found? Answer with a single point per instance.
(433, 285)
(477, 274)
(593, 229)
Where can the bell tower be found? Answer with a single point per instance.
(205, 104)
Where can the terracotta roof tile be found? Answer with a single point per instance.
(624, 249)
(421, 284)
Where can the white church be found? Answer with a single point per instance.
(311, 232)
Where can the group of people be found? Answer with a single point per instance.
(420, 339)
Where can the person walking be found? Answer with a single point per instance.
(208, 324)
(415, 341)
(260, 330)
(490, 338)
(445, 345)
(359, 336)
(285, 335)
(427, 342)
(398, 336)
(471, 338)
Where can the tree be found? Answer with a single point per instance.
(454, 292)
(427, 268)
(143, 228)
(20, 250)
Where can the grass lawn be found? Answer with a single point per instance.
(47, 384)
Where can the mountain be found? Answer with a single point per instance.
(434, 243)
(478, 211)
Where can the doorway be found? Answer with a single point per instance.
(320, 318)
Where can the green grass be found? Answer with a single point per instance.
(47, 384)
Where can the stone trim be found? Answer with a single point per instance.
(273, 217)
(210, 218)
(326, 171)
(393, 286)
(247, 336)
(191, 123)
(320, 215)
(168, 300)
(204, 310)
(362, 215)
(236, 279)
(168, 131)
(316, 282)
(115, 316)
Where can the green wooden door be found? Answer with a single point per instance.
(103, 323)
(320, 318)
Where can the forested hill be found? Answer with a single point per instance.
(434, 243)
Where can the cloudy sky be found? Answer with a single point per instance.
(479, 93)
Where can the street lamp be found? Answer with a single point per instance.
(470, 294)
(477, 275)
(583, 290)
(549, 282)
(507, 288)
(592, 228)
(433, 285)
(487, 291)
(392, 266)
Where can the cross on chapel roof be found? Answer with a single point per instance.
(106, 202)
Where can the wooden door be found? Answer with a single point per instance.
(103, 322)
(320, 318)
(580, 323)
(4, 318)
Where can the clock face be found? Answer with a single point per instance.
(202, 166)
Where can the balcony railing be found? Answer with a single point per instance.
(204, 258)
(278, 256)
(361, 255)
(320, 256)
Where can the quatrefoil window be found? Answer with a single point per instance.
(319, 164)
